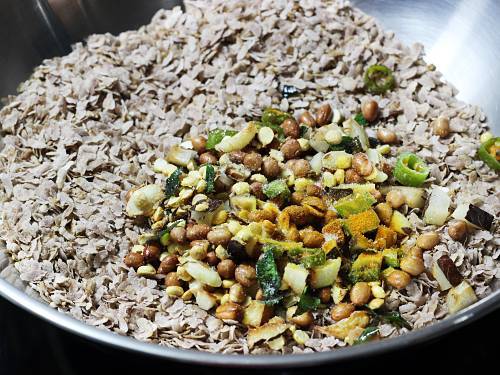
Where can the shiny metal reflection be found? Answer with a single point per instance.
(460, 37)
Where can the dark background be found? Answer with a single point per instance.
(29, 345)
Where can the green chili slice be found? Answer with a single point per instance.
(379, 79)
(165, 238)
(410, 170)
(489, 152)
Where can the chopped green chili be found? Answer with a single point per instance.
(216, 136)
(378, 79)
(164, 238)
(410, 170)
(489, 152)
(173, 182)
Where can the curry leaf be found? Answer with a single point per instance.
(173, 182)
(348, 144)
(392, 317)
(210, 178)
(268, 277)
(307, 303)
(395, 319)
(368, 334)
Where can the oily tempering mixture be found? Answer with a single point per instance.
(357, 201)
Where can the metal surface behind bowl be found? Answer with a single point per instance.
(460, 39)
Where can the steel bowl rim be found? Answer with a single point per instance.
(72, 325)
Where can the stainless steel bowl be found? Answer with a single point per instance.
(460, 39)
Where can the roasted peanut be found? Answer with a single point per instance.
(369, 109)
(208, 158)
(297, 214)
(314, 191)
(290, 149)
(219, 236)
(384, 212)
(457, 230)
(260, 215)
(360, 293)
(199, 144)
(353, 177)
(229, 311)
(324, 114)
(199, 249)
(299, 167)
(386, 168)
(237, 293)
(428, 241)
(307, 119)
(398, 279)
(330, 215)
(387, 136)
(311, 238)
(245, 275)
(441, 127)
(297, 197)
(303, 320)
(414, 265)
(293, 234)
(237, 156)
(197, 232)
(134, 260)
(342, 311)
(252, 161)
(291, 128)
(270, 168)
(256, 189)
(172, 279)
(226, 268)
(212, 259)
(178, 235)
(395, 199)
(168, 264)
(151, 253)
(361, 164)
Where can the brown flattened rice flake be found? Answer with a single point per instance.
(85, 127)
